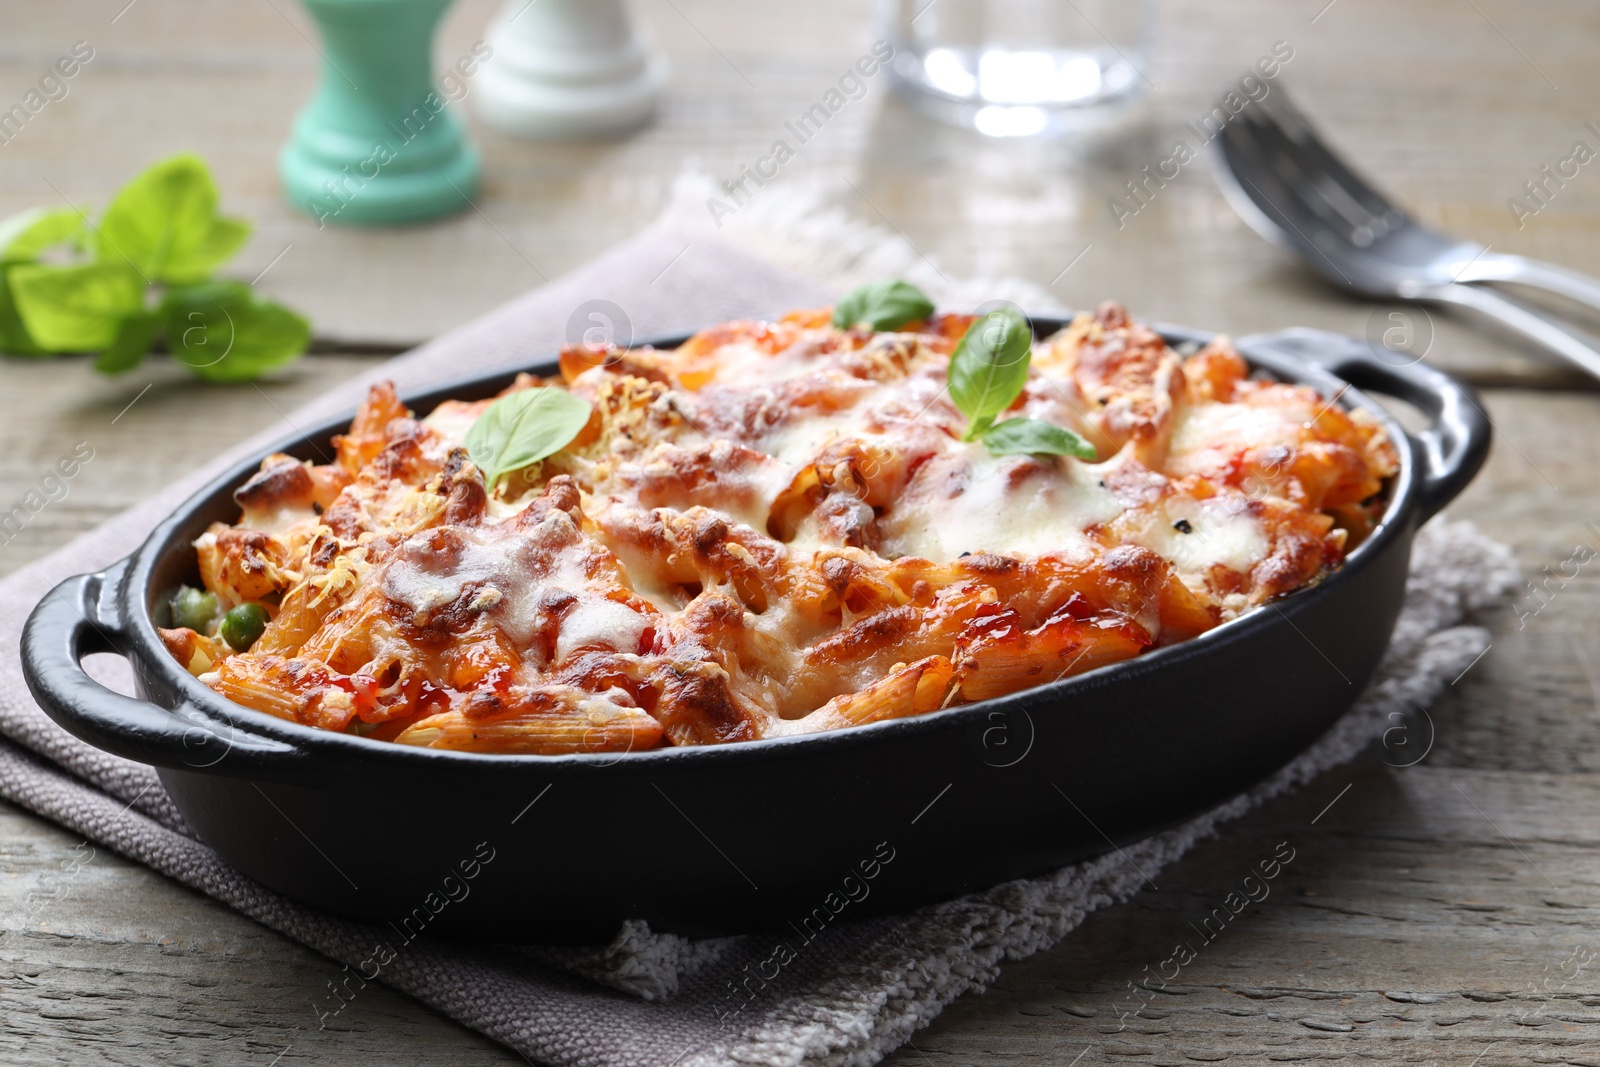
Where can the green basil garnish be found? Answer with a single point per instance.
(164, 224)
(990, 367)
(882, 306)
(988, 371)
(24, 237)
(162, 232)
(519, 430)
(220, 331)
(1024, 436)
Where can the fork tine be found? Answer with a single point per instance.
(1300, 133)
(1328, 198)
(1275, 150)
(1253, 165)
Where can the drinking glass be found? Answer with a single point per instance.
(1015, 68)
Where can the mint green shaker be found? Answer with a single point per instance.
(377, 143)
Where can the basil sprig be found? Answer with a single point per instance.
(519, 430)
(222, 332)
(141, 272)
(988, 371)
(882, 306)
(989, 368)
(1023, 436)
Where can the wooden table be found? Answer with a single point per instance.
(1439, 913)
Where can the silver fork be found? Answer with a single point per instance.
(1295, 191)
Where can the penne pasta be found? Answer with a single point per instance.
(1005, 658)
(778, 528)
(545, 720)
(913, 689)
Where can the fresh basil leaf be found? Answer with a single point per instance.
(24, 236)
(205, 296)
(199, 321)
(221, 332)
(882, 306)
(990, 367)
(165, 224)
(1019, 436)
(14, 337)
(75, 309)
(128, 349)
(519, 430)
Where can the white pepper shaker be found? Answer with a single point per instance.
(568, 68)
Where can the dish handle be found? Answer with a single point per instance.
(80, 617)
(1453, 446)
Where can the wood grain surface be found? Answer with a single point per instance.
(1440, 913)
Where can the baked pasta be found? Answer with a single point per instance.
(777, 528)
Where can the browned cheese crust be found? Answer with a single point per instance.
(773, 530)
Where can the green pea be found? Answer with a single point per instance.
(242, 625)
(194, 608)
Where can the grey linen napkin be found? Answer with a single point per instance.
(855, 992)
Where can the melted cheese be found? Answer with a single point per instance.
(968, 501)
(797, 442)
(1219, 535)
(280, 521)
(452, 419)
(527, 592)
(595, 622)
(769, 535)
(1218, 426)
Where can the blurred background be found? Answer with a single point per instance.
(1428, 96)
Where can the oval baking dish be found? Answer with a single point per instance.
(783, 832)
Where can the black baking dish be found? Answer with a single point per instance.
(765, 833)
